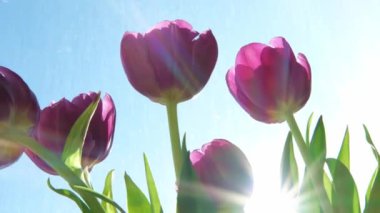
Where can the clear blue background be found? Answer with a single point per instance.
(62, 48)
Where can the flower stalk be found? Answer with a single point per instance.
(171, 109)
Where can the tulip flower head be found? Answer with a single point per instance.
(18, 109)
(169, 63)
(269, 82)
(57, 120)
(224, 171)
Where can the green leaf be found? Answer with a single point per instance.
(369, 140)
(107, 191)
(308, 129)
(184, 147)
(317, 149)
(100, 196)
(153, 194)
(72, 152)
(344, 153)
(345, 195)
(370, 185)
(136, 200)
(71, 195)
(328, 186)
(308, 199)
(373, 194)
(289, 168)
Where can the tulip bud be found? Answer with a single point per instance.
(57, 120)
(224, 172)
(269, 82)
(169, 63)
(18, 109)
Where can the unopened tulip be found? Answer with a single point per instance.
(57, 120)
(19, 109)
(169, 63)
(269, 82)
(224, 172)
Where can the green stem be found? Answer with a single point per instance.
(53, 161)
(298, 138)
(317, 182)
(171, 109)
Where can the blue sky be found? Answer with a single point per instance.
(62, 48)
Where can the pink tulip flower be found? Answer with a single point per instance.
(224, 171)
(269, 82)
(57, 120)
(169, 63)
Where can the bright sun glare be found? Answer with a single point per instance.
(278, 202)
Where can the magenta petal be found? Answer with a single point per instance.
(19, 109)
(300, 83)
(204, 53)
(178, 61)
(170, 52)
(137, 65)
(250, 55)
(183, 24)
(301, 59)
(223, 166)
(57, 120)
(244, 101)
(269, 82)
(281, 44)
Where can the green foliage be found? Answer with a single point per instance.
(345, 196)
(373, 194)
(136, 200)
(308, 198)
(95, 194)
(373, 191)
(71, 195)
(107, 192)
(72, 152)
(369, 140)
(344, 153)
(307, 141)
(153, 194)
(317, 150)
(328, 186)
(289, 168)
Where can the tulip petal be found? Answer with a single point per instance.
(255, 111)
(299, 88)
(19, 109)
(204, 55)
(24, 103)
(137, 66)
(52, 128)
(224, 171)
(250, 55)
(5, 101)
(170, 51)
(57, 120)
(280, 43)
(268, 81)
(9, 153)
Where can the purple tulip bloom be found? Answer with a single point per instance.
(18, 109)
(269, 82)
(169, 63)
(57, 120)
(224, 171)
